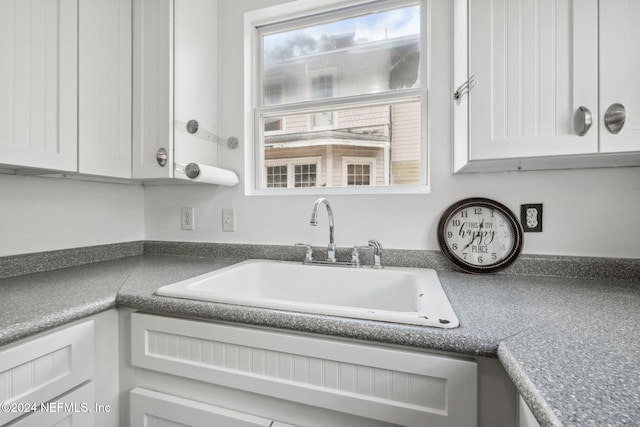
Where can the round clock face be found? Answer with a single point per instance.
(479, 235)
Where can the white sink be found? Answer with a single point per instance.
(401, 295)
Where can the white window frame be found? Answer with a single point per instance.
(370, 161)
(301, 9)
(290, 163)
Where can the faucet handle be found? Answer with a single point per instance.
(377, 253)
(308, 256)
(355, 255)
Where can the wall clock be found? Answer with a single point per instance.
(479, 235)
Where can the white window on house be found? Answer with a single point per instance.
(292, 173)
(273, 94)
(322, 87)
(354, 83)
(358, 171)
(277, 176)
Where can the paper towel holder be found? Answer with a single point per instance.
(192, 170)
(193, 128)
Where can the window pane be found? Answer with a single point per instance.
(359, 174)
(305, 175)
(388, 133)
(370, 53)
(277, 177)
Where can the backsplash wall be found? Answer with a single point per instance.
(590, 212)
(42, 214)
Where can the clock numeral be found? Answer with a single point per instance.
(477, 211)
(454, 246)
(503, 248)
(449, 234)
(507, 235)
(494, 256)
(464, 214)
(465, 254)
(455, 222)
(501, 223)
(479, 260)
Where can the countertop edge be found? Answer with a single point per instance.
(537, 403)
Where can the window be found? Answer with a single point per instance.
(292, 173)
(359, 171)
(343, 83)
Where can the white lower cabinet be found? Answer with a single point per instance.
(74, 409)
(150, 408)
(43, 368)
(525, 416)
(294, 379)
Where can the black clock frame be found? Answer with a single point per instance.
(486, 203)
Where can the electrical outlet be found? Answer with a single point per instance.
(187, 219)
(228, 219)
(531, 217)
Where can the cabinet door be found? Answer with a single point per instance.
(150, 408)
(525, 416)
(152, 87)
(74, 409)
(536, 63)
(196, 80)
(46, 366)
(620, 72)
(39, 84)
(105, 88)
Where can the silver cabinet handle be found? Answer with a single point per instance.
(582, 121)
(161, 157)
(614, 118)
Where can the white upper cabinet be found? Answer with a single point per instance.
(536, 64)
(105, 88)
(175, 81)
(39, 83)
(620, 74)
(546, 71)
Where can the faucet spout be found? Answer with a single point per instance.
(331, 250)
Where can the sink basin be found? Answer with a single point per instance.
(401, 295)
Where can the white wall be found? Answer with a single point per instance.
(41, 214)
(586, 212)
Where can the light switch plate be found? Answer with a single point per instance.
(228, 219)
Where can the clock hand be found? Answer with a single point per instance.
(473, 236)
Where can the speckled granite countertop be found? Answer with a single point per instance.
(570, 345)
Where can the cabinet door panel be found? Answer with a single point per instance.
(152, 87)
(38, 83)
(620, 71)
(150, 408)
(536, 63)
(196, 80)
(105, 88)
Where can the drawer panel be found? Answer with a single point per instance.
(74, 409)
(44, 367)
(403, 387)
(153, 409)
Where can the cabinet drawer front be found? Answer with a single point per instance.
(403, 387)
(45, 367)
(74, 409)
(150, 408)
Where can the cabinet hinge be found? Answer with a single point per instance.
(465, 88)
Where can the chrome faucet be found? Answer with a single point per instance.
(377, 253)
(331, 249)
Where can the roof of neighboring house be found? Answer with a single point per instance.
(328, 137)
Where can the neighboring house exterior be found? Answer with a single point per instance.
(370, 145)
